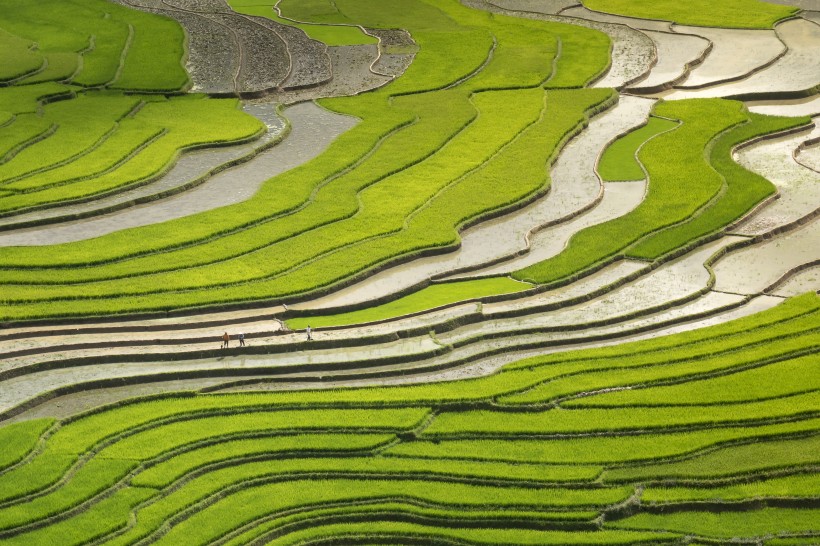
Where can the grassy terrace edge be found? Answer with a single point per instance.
(190, 459)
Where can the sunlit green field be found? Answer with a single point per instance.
(709, 436)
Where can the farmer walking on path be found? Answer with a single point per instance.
(225, 339)
(241, 340)
(309, 337)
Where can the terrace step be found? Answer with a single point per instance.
(643, 307)
(735, 54)
(794, 75)
(677, 53)
(798, 187)
(312, 129)
(632, 55)
(574, 189)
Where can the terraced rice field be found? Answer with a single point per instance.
(509, 272)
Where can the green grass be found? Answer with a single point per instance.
(282, 459)
(212, 522)
(125, 52)
(789, 487)
(765, 522)
(743, 189)
(619, 419)
(63, 447)
(691, 194)
(18, 57)
(406, 193)
(733, 407)
(81, 124)
(166, 472)
(728, 460)
(165, 127)
(94, 477)
(160, 439)
(25, 99)
(595, 450)
(20, 439)
(436, 295)
(619, 163)
(729, 13)
(151, 64)
(390, 510)
(107, 516)
(769, 381)
(680, 182)
(572, 379)
(412, 193)
(397, 532)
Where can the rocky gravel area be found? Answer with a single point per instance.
(393, 65)
(804, 4)
(233, 54)
(397, 50)
(393, 40)
(213, 49)
(351, 75)
(310, 63)
(552, 7)
(213, 53)
(208, 6)
(265, 59)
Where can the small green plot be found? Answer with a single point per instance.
(705, 13)
(19, 57)
(619, 162)
(433, 296)
(19, 439)
(332, 35)
(753, 523)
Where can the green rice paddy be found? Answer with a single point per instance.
(751, 14)
(709, 436)
(406, 459)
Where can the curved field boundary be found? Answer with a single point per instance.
(665, 79)
(202, 484)
(740, 76)
(526, 339)
(736, 14)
